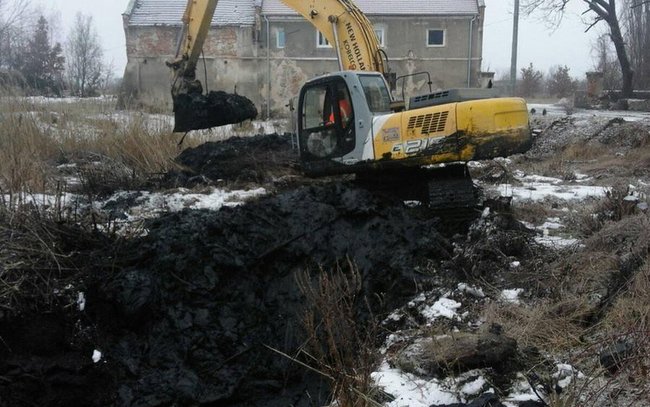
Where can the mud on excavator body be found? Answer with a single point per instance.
(375, 138)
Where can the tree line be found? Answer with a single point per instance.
(623, 50)
(557, 83)
(31, 59)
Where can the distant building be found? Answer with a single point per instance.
(261, 48)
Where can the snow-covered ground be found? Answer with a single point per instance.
(560, 110)
(124, 209)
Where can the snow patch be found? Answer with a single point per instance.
(474, 387)
(410, 390)
(444, 307)
(81, 301)
(97, 356)
(511, 296)
(556, 242)
(536, 193)
(475, 291)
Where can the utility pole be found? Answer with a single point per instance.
(515, 40)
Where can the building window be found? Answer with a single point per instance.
(435, 38)
(379, 32)
(280, 39)
(321, 41)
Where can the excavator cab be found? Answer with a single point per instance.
(327, 119)
(335, 116)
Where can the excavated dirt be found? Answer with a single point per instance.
(559, 132)
(187, 313)
(260, 159)
(197, 111)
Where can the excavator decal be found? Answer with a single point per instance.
(353, 51)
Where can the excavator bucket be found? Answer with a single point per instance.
(195, 111)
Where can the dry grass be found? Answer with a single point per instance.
(629, 320)
(532, 212)
(24, 154)
(36, 137)
(612, 208)
(340, 344)
(629, 237)
(607, 164)
(593, 299)
(551, 326)
(584, 152)
(39, 256)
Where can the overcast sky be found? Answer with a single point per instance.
(539, 44)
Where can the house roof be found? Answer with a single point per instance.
(170, 12)
(242, 12)
(393, 7)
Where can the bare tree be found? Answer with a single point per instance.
(12, 12)
(84, 57)
(636, 20)
(605, 61)
(14, 17)
(599, 10)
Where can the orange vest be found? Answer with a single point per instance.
(346, 111)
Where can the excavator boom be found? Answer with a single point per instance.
(341, 22)
(345, 26)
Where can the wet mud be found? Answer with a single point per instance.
(260, 159)
(217, 289)
(188, 313)
(196, 111)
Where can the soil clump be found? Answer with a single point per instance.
(195, 111)
(260, 159)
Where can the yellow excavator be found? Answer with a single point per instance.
(348, 121)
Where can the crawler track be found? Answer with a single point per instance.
(448, 191)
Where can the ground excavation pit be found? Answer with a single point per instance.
(194, 311)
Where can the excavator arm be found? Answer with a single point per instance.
(345, 26)
(196, 25)
(341, 22)
(194, 110)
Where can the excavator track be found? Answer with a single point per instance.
(448, 192)
(453, 196)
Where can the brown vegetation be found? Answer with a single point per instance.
(340, 343)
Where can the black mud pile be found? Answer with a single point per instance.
(491, 245)
(260, 159)
(45, 343)
(187, 314)
(195, 111)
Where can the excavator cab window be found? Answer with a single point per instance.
(327, 119)
(376, 92)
